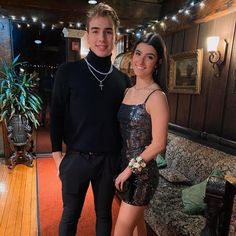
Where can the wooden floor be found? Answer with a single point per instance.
(18, 201)
(18, 204)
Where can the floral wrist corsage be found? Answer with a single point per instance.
(137, 164)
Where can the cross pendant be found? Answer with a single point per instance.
(101, 85)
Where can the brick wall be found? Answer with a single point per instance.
(6, 54)
(5, 40)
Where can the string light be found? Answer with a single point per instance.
(163, 24)
(187, 12)
(160, 23)
(34, 19)
(39, 66)
(202, 4)
(174, 18)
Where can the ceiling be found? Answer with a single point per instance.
(132, 13)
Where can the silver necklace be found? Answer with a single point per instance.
(91, 68)
(102, 73)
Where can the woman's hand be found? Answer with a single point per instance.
(122, 177)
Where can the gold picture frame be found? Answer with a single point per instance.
(186, 72)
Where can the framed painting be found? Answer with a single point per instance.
(186, 72)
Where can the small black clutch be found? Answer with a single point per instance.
(127, 193)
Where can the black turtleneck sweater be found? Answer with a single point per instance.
(82, 115)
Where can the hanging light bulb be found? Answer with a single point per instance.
(92, 2)
(38, 40)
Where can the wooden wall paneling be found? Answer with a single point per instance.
(177, 46)
(172, 101)
(168, 42)
(229, 125)
(178, 42)
(182, 114)
(191, 38)
(184, 100)
(199, 102)
(217, 89)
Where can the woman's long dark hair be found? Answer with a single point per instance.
(160, 73)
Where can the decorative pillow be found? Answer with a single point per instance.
(174, 176)
(161, 161)
(193, 197)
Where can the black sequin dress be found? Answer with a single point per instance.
(136, 131)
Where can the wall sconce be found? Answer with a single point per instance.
(216, 57)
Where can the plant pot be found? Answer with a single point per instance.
(19, 136)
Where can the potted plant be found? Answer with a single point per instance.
(19, 108)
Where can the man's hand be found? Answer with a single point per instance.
(57, 156)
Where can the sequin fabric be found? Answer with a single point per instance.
(135, 125)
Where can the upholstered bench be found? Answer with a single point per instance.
(189, 165)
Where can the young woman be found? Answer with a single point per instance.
(143, 118)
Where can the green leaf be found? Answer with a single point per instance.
(22, 100)
(15, 60)
(4, 114)
(18, 92)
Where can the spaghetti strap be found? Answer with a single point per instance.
(126, 91)
(151, 94)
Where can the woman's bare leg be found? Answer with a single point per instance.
(128, 218)
(140, 229)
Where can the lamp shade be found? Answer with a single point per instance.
(212, 43)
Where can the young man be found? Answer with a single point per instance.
(86, 97)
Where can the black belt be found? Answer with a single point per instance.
(87, 154)
(92, 153)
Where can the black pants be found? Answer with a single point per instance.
(76, 172)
